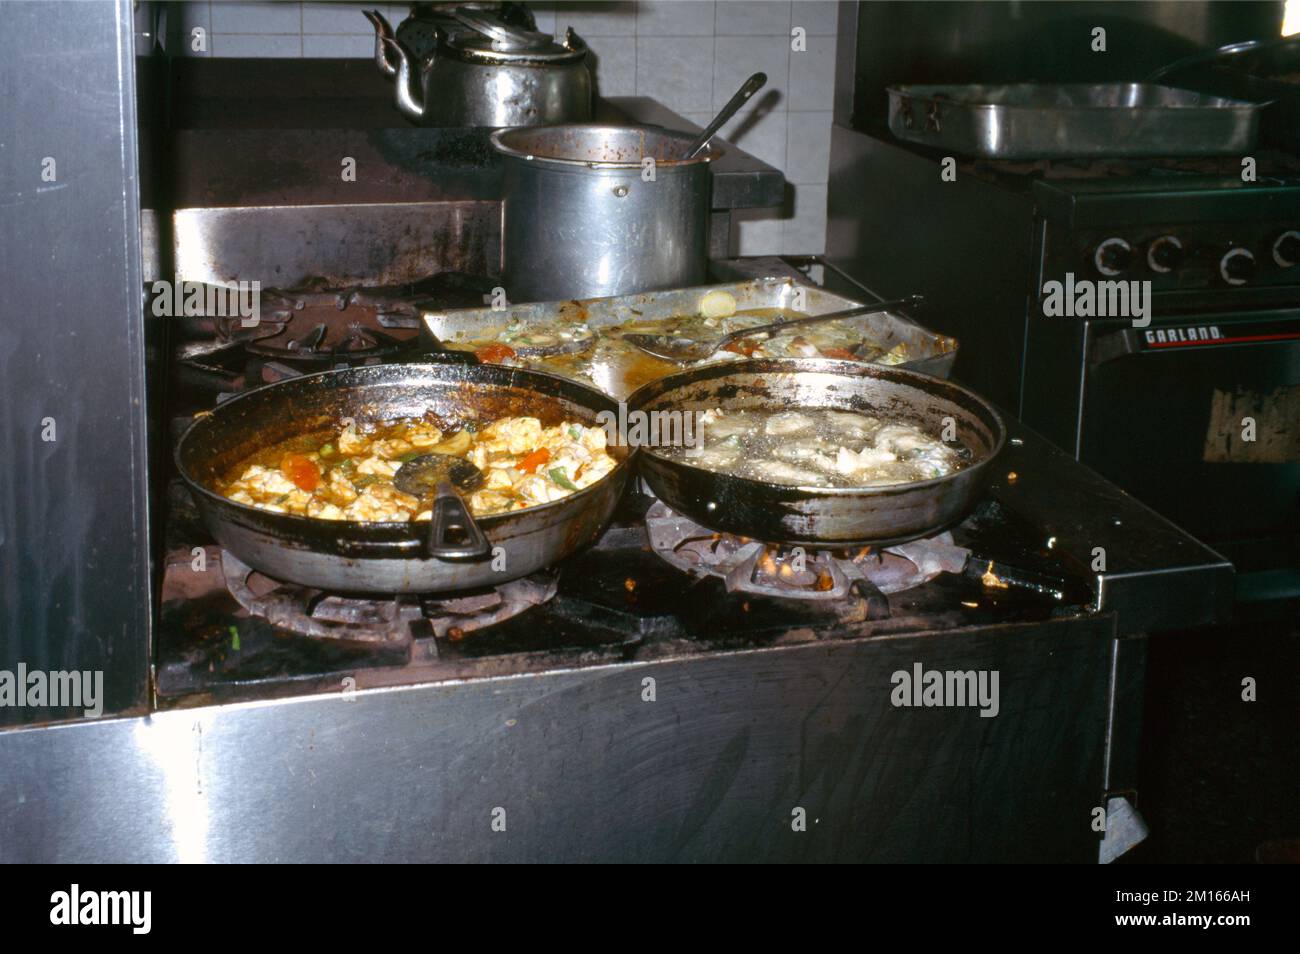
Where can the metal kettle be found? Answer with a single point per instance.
(487, 73)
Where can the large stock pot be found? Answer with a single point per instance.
(596, 211)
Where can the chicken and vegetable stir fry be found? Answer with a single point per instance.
(347, 474)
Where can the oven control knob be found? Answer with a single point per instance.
(1237, 266)
(1113, 257)
(1165, 254)
(1286, 250)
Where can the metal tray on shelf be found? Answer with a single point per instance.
(1072, 120)
(923, 350)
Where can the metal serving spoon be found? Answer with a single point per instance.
(436, 478)
(559, 345)
(747, 89)
(676, 348)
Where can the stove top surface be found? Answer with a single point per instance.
(617, 601)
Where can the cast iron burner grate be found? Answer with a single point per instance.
(318, 328)
(379, 623)
(751, 566)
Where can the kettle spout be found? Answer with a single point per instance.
(383, 59)
(407, 100)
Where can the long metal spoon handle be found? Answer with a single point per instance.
(747, 89)
(911, 301)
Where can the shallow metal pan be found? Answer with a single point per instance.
(927, 351)
(1266, 72)
(822, 516)
(356, 557)
(1072, 121)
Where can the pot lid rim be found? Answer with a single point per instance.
(499, 143)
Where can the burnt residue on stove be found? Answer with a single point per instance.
(205, 646)
(462, 149)
(314, 326)
(1016, 566)
(616, 600)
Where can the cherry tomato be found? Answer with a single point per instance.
(745, 346)
(534, 460)
(301, 470)
(494, 353)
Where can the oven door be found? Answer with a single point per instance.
(1200, 419)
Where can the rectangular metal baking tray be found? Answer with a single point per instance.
(1072, 120)
(929, 352)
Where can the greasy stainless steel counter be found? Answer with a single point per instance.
(710, 759)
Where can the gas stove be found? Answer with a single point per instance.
(229, 631)
(314, 328)
(1179, 379)
(655, 585)
(731, 665)
(749, 667)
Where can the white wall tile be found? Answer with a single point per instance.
(335, 45)
(674, 18)
(752, 18)
(238, 44)
(756, 232)
(808, 147)
(700, 119)
(677, 71)
(343, 18)
(615, 58)
(544, 14)
(257, 18)
(761, 134)
(818, 17)
(600, 18)
(736, 58)
(805, 231)
(812, 75)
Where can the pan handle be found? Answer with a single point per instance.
(453, 534)
(1202, 58)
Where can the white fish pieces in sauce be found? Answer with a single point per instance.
(819, 447)
(787, 422)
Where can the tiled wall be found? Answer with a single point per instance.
(690, 55)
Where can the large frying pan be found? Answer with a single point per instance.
(822, 516)
(355, 557)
